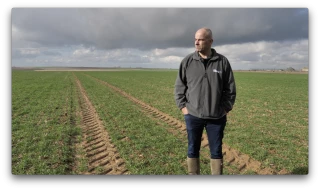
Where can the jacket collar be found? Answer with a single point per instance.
(215, 56)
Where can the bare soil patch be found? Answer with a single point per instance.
(101, 153)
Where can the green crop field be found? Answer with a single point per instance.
(269, 122)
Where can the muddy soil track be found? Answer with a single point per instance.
(233, 157)
(102, 155)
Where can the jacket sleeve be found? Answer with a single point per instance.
(229, 88)
(181, 87)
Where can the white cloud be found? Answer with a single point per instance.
(170, 59)
(30, 51)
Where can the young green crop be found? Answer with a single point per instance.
(269, 121)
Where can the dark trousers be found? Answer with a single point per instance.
(214, 128)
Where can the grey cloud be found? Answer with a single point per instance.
(125, 56)
(149, 28)
(51, 26)
(51, 53)
(132, 59)
(31, 53)
(25, 53)
(251, 57)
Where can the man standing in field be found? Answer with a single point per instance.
(205, 92)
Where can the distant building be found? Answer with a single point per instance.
(305, 69)
(290, 69)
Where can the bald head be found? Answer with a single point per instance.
(206, 32)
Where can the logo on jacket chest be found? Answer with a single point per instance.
(216, 71)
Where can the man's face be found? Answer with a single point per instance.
(202, 42)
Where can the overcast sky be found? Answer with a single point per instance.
(250, 38)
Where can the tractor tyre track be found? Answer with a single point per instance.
(102, 155)
(242, 161)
